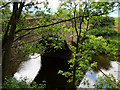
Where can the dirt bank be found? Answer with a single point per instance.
(117, 28)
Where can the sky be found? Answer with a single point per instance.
(115, 13)
(93, 77)
(54, 5)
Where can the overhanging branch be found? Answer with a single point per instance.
(26, 29)
(45, 25)
(109, 78)
(26, 43)
(21, 37)
(5, 5)
(33, 4)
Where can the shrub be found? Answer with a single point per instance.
(104, 82)
(102, 31)
(12, 83)
(102, 21)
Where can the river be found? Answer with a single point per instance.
(30, 68)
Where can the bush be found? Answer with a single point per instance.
(12, 83)
(104, 82)
(102, 21)
(102, 31)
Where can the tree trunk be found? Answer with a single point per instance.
(8, 38)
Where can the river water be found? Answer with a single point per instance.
(30, 68)
(93, 77)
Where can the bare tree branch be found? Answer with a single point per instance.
(20, 8)
(75, 21)
(50, 24)
(5, 5)
(33, 4)
(59, 22)
(45, 25)
(21, 37)
(15, 7)
(26, 43)
(109, 78)
(82, 20)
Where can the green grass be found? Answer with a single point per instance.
(117, 21)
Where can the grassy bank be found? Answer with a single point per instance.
(117, 21)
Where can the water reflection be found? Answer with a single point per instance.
(102, 62)
(93, 76)
(29, 68)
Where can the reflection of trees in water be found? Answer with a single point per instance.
(102, 62)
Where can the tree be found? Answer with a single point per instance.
(11, 35)
(82, 52)
(6, 11)
(38, 13)
(15, 29)
(8, 37)
(86, 45)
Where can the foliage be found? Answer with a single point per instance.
(49, 39)
(102, 21)
(117, 20)
(39, 13)
(54, 35)
(22, 22)
(91, 46)
(6, 13)
(86, 44)
(104, 82)
(102, 31)
(12, 83)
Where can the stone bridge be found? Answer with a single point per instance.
(33, 22)
(51, 63)
(68, 25)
